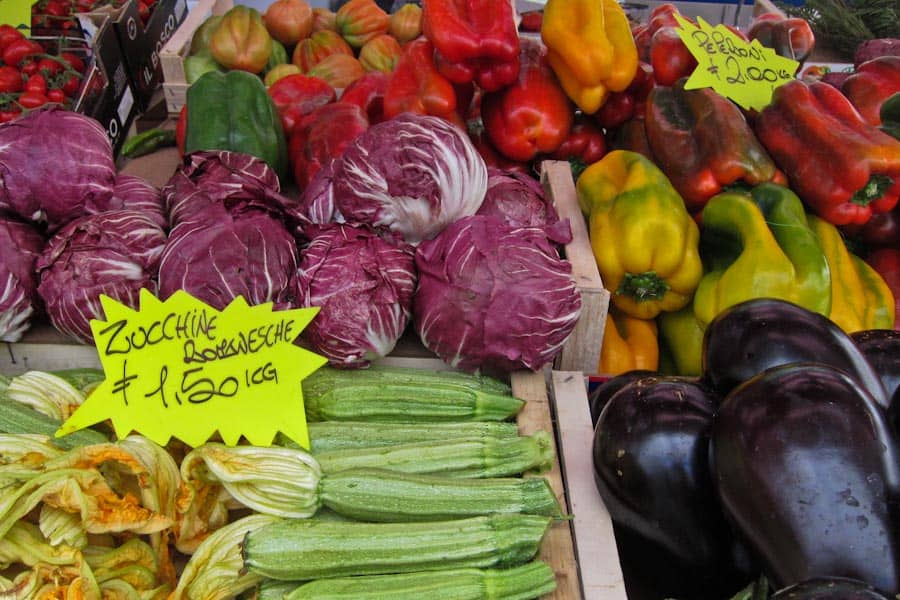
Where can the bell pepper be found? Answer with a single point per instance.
(886, 261)
(631, 103)
(759, 244)
(367, 92)
(702, 142)
(791, 37)
(669, 56)
(644, 240)
(532, 115)
(680, 342)
(860, 298)
(842, 167)
(321, 136)
(890, 116)
(591, 49)
(632, 135)
(474, 41)
(628, 344)
(584, 146)
(233, 111)
(871, 84)
(416, 86)
(297, 95)
(241, 40)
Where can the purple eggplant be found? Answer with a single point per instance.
(651, 467)
(808, 472)
(829, 588)
(606, 390)
(750, 337)
(882, 349)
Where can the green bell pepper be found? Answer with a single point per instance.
(759, 244)
(233, 111)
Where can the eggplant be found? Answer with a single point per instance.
(808, 472)
(829, 588)
(882, 349)
(603, 392)
(651, 467)
(752, 336)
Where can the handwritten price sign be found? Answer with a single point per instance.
(182, 368)
(747, 73)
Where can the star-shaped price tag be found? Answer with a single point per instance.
(182, 368)
(745, 72)
(17, 13)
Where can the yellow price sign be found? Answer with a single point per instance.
(182, 368)
(745, 72)
(17, 13)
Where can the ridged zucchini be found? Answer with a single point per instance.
(304, 549)
(19, 418)
(530, 580)
(387, 496)
(405, 395)
(328, 436)
(464, 458)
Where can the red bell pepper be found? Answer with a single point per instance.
(873, 82)
(474, 40)
(791, 37)
(886, 261)
(669, 56)
(843, 168)
(321, 136)
(367, 92)
(491, 156)
(531, 21)
(584, 145)
(883, 229)
(416, 86)
(531, 116)
(297, 95)
(631, 103)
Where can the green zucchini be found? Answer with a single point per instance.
(387, 496)
(396, 394)
(19, 418)
(530, 580)
(271, 589)
(299, 549)
(328, 436)
(464, 457)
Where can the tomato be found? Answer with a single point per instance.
(28, 67)
(9, 113)
(70, 85)
(49, 67)
(33, 99)
(56, 95)
(36, 83)
(10, 80)
(19, 50)
(8, 35)
(74, 61)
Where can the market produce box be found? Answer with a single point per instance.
(141, 39)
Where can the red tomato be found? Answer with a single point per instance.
(9, 113)
(49, 67)
(10, 80)
(74, 61)
(36, 83)
(33, 99)
(56, 95)
(8, 35)
(19, 50)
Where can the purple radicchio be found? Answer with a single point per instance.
(21, 245)
(364, 285)
(519, 200)
(413, 174)
(131, 192)
(237, 181)
(217, 255)
(493, 298)
(55, 165)
(114, 253)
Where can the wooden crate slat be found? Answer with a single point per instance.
(595, 542)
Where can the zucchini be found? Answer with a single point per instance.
(530, 580)
(19, 418)
(301, 549)
(270, 589)
(328, 436)
(387, 496)
(396, 394)
(464, 458)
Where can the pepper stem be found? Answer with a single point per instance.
(643, 286)
(873, 190)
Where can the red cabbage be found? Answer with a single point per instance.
(21, 245)
(364, 286)
(519, 200)
(114, 253)
(217, 255)
(413, 174)
(55, 165)
(493, 298)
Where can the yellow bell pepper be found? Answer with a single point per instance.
(680, 342)
(860, 298)
(644, 240)
(628, 344)
(590, 48)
